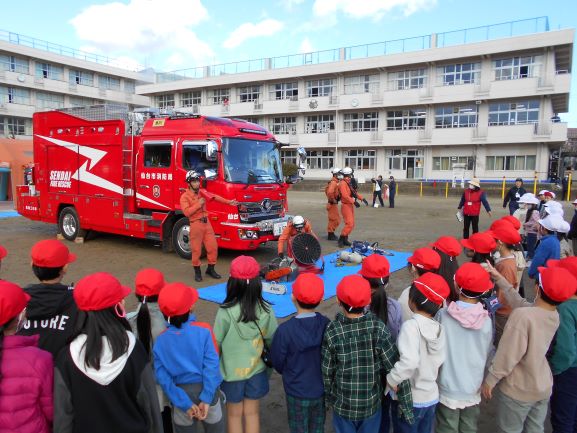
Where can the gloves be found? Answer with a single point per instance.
(357, 204)
(281, 256)
(365, 202)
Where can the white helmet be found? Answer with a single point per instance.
(347, 171)
(529, 198)
(298, 222)
(335, 170)
(192, 175)
(554, 208)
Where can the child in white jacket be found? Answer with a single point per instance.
(422, 351)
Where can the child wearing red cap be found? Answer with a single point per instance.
(357, 352)
(448, 249)
(51, 312)
(296, 355)
(244, 324)
(186, 363)
(422, 351)
(3, 253)
(103, 380)
(26, 371)
(466, 324)
(480, 247)
(520, 366)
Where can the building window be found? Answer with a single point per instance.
(13, 64)
(514, 113)
(49, 100)
(321, 124)
(403, 80)
(414, 118)
(77, 101)
(288, 156)
(14, 95)
(320, 159)
(47, 70)
(109, 83)
(355, 122)
(10, 126)
(517, 67)
(165, 101)
(283, 125)
(513, 162)
(397, 158)
(460, 73)
(83, 78)
(189, 99)
(361, 159)
(445, 163)
(129, 87)
(456, 117)
(250, 93)
(325, 87)
(252, 119)
(361, 84)
(284, 91)
(220, 96)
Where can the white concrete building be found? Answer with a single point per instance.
(37, 75)
(486, 97)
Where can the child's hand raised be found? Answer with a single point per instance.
(492, 271)
(193, 411)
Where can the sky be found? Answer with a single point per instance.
(177, 34)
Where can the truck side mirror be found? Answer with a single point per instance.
(211, 151)
(293, 179)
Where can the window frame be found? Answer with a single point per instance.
(283, 125)
(356, 159)
(359, 84)
(320, 87)
(454, 77)
(456, 116)
(408, 79)
(319, 124)
(190, 98)
(353, 122)
(408, 119)
(281, 91)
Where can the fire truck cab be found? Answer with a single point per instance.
(106, 169)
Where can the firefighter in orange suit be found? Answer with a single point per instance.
(332, 193)
(349, 197)
(293, 228)
(192, 203)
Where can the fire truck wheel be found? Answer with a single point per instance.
(68, 223)
(180, 238)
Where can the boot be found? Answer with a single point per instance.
(346, 242)
(341, 243)
(331, 237)
(212, 273)
(197, 274)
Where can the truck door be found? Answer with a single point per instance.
(154, 175)
(193, 156)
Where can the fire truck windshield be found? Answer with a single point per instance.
(251, 161)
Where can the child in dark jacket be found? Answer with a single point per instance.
(25, 371)
(186, 363)
(296, 355)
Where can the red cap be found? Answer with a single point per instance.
(175, 299)
(149, 281)
(309, 288)
(507, 234)
(433, 286)
(482, 243)
(499, 224)
(354, 291)
(557, 283)
(3, 252)
(569, 263)
(12, 301)
(99, 291)
(244, 268)
(549, 194)
(449, 245)
(51, 253)
(375, 266)
(472, 277)
(513, 221)
(425, 258)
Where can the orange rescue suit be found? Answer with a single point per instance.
(332, 193)
(347, 205)
(201, 231)
(288, 232)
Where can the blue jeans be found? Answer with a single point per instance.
(424, 417)
(390, 408)
(564, 402)
(531, 242)
(368, 425)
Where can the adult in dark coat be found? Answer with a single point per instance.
(513, 196)
(392, 191)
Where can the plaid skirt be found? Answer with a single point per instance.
(306, 415)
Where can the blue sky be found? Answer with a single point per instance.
(177, 34)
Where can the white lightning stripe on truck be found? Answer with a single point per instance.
(94, 156)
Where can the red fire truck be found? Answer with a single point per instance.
(107, 169)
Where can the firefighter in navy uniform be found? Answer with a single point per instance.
(349, 197)
(193, 205)
(333, 197)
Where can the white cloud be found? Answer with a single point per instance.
(143, 27)
(290, 4)
(306, 46)
(267, 27)
(375, 9)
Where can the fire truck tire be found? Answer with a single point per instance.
(180, 239)
(69, 223)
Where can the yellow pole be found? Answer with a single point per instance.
(446, 189)
(569, 187)
(396, 189)
(421, 191)
(503, 189)
(535, 184)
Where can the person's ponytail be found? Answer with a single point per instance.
(143, 327)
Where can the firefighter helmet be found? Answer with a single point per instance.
(335, 170)
(298, 222)
(347, 171)
(192, 175)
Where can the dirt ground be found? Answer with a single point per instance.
(413, 223)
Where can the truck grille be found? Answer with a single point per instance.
(251, 212)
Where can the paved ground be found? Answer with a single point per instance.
(413, 223)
